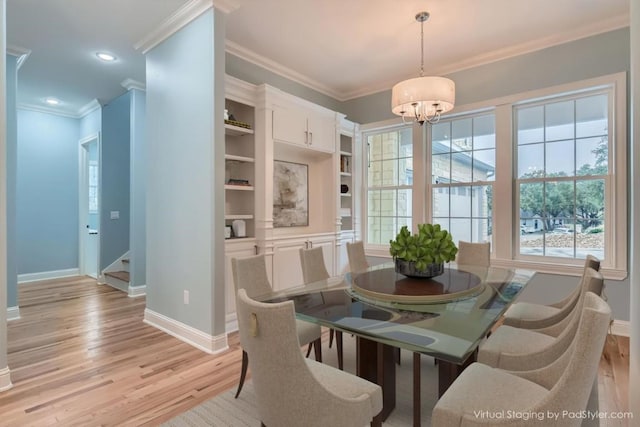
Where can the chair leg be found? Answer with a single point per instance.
(339, 349)
(317, 344)
(309, 348)
(243, 373)
(330, 337)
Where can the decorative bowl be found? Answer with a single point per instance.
(408, 268)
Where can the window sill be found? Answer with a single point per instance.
(559, 269)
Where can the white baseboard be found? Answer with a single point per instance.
(5, 379)
(190, 335)
(137, 291)
(13, 313)
(47, 275)
(231, 322)
(116, 283)
(621, 327)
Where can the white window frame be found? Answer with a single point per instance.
(505, 223)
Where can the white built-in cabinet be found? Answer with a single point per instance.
(287, 128)
(306, 127)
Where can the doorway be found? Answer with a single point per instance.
(89, 205)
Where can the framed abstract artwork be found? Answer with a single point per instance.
(290, 194)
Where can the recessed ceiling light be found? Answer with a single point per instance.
(52, 101)
(107, 57)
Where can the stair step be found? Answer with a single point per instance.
(120, 275)
(125, 260)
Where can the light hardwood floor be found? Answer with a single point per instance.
(80, 355)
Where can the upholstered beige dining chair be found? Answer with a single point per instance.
(473, 254)
(561, 387)
(291, 390)
(357, 258)
(314, 270)
(536, 316)
(251, 274)
(526, 349)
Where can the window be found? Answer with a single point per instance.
(389, 184)
(563, 180)
(463, 163)
(541, 175)
(93, 186)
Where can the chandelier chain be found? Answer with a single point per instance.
(421, 48)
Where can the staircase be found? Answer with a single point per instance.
(119, 279)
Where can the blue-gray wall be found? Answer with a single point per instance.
(12, 157)
(114, 184)
(184, 240)
(138, 235)
(47, 192)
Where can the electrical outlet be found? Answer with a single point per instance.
(186, 297)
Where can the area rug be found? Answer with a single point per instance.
(224, 410)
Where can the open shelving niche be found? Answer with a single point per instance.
(346, 167)
(240, 166)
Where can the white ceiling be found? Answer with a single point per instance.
(344, 48)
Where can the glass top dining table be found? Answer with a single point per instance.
(445, 316)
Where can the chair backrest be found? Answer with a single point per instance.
(473, 253)
(571, 390)
(251, 274)
(591, 283)
(313, 268)
(592, 262)
(287, 393)
(357, 257)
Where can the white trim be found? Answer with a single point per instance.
(129, 84)
(554, 39)
(89, 107)
(13, 313)
(83, 198)
(137, 291)
(239, 90)
(47, 275)
(621, 328)
(279, 69)
(5, 379)
(186, 333)
(116, 283)
(231, 322)
(20, 52)
(117, 264)
(47, 110)
(180, 18)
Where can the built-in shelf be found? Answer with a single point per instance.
(345, 194)
(345, 153)
(236, 130)
(238, 187)
(244, 159)
(345, 174)
(231, 216)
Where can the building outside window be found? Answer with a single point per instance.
(389, 184)
(463, 163)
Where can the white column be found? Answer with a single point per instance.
(5, 377)
(634, 282)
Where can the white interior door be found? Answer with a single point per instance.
(89, 201)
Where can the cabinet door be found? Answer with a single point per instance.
(236, 251)
(322, 133)
(289, 125)
(328, 252)
(287, 269)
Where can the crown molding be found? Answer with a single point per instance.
(270, 65)
(226, 6)
(48, 110)
(129, 84)
(180, 18)
(20, 52)
(89, 107)
(570, 35)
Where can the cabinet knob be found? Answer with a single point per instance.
(310, 138)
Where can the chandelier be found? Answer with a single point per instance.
(423, 98)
